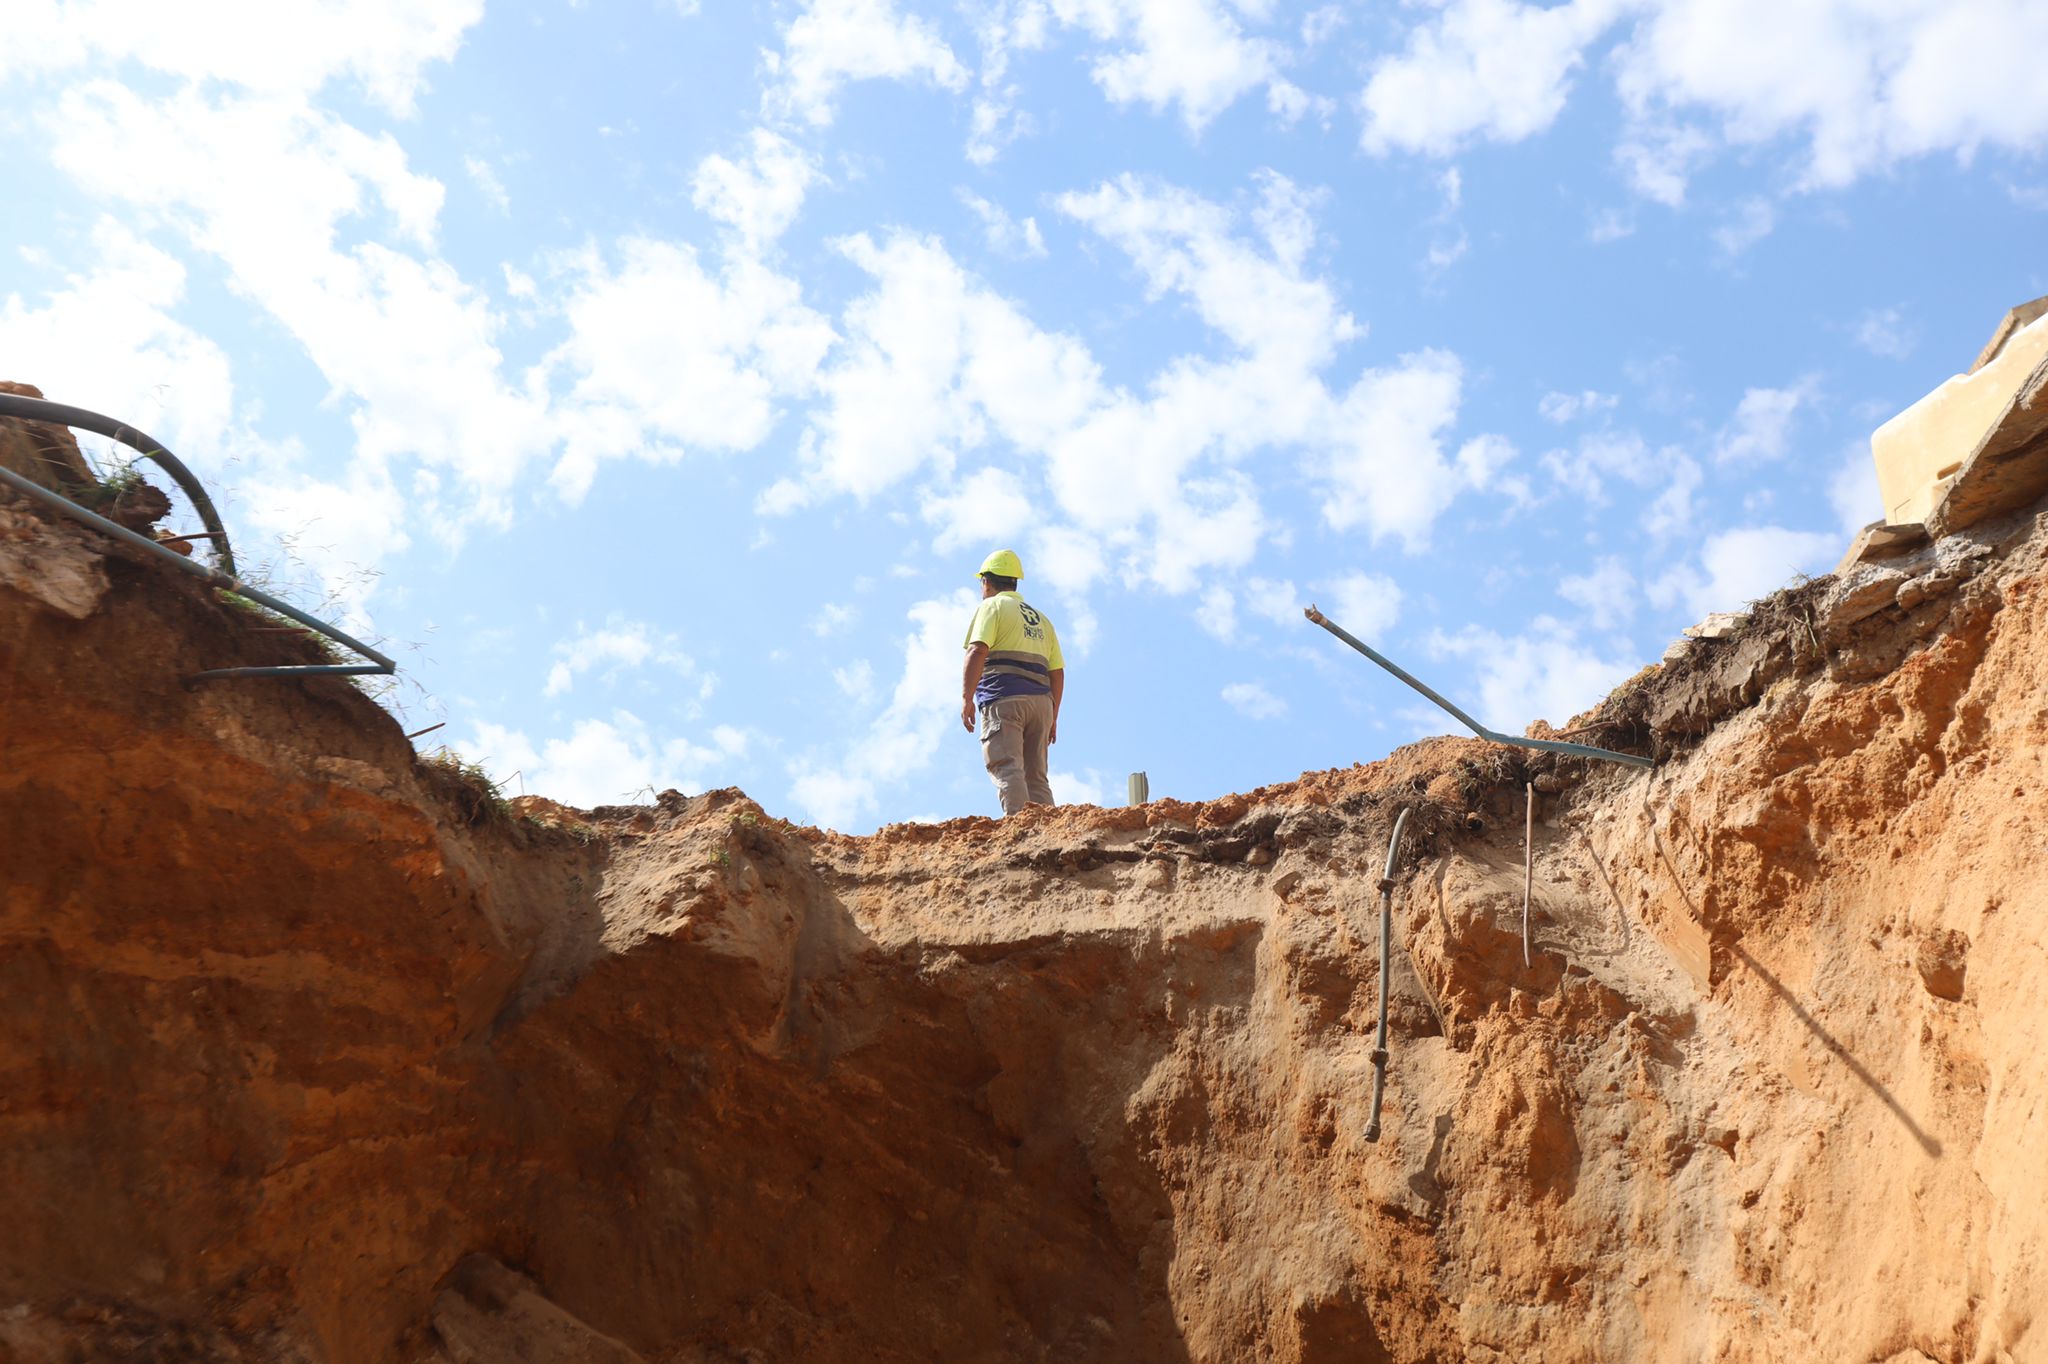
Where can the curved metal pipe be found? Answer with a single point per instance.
(62, 414)
(31, 488)
(1379, 1043)
(1547, 745)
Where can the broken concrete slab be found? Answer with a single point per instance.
(1731, 675)
(2008, 468)
(1858, 595)
(1922, 453)
(1882, 540)
(2014, 320)
(1717, 625)
(1926, 587)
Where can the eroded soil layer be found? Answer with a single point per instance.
(310, 1052)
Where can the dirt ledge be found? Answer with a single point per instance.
(292, 1036)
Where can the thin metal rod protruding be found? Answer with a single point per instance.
(1546, 745)
(1528, 864)
(1379, 1042)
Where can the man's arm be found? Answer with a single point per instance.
(1059, 689)
(970, 678)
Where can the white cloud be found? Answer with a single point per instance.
(1217, 613)
(620, 646)
(991, 505)
(1192, 54)
(1610, 225)
(1658, 157)
(1182, 243)
(262, 184)
(759, 196)
(1761, 427)
(833, 618)
(833, 42)
(660, 350)
(1092, 788)
(1604, 456)
(932, 361)
(1290, 103)
(1003, 28)
(1545, 673)
(487, 183)
(274, 47)
(1569, 407)
(1446, 250)
(1492, 69)
(1384, 466)
(603, 762)
(267, 184)
(1449, 242)
(1452, 186)
(1671, 511)
(923, 712)
(1740, 566)
(1004, 234)
(857, 680)
(1375, 449)
(1751, 221)
(107, 340)
(1275, 601)
(1253, 701)
(1608, 594)
(1319, 23)
(1885, 333)
(1853, 490)
(1865, 83)
(1066, 559)
(1861, 84)
(1366, 604)
(936, 366)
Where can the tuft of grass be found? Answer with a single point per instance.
(327, 649)
(113, 485)
(476, 796)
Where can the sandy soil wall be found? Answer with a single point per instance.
(308, 1054)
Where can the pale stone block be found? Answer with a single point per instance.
(1919, 450)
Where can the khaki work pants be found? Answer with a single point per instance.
(1014, 735)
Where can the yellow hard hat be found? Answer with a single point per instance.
(1004, 563)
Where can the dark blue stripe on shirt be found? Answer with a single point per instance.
(1000, 686)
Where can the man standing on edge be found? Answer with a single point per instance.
(1015, 676)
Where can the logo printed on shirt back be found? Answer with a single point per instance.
(1031, 622)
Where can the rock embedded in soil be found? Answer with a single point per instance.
(1942, 958)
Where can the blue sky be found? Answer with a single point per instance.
(654, 376)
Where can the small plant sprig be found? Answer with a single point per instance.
(477, 794)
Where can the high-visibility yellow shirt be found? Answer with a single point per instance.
(1023, 648)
